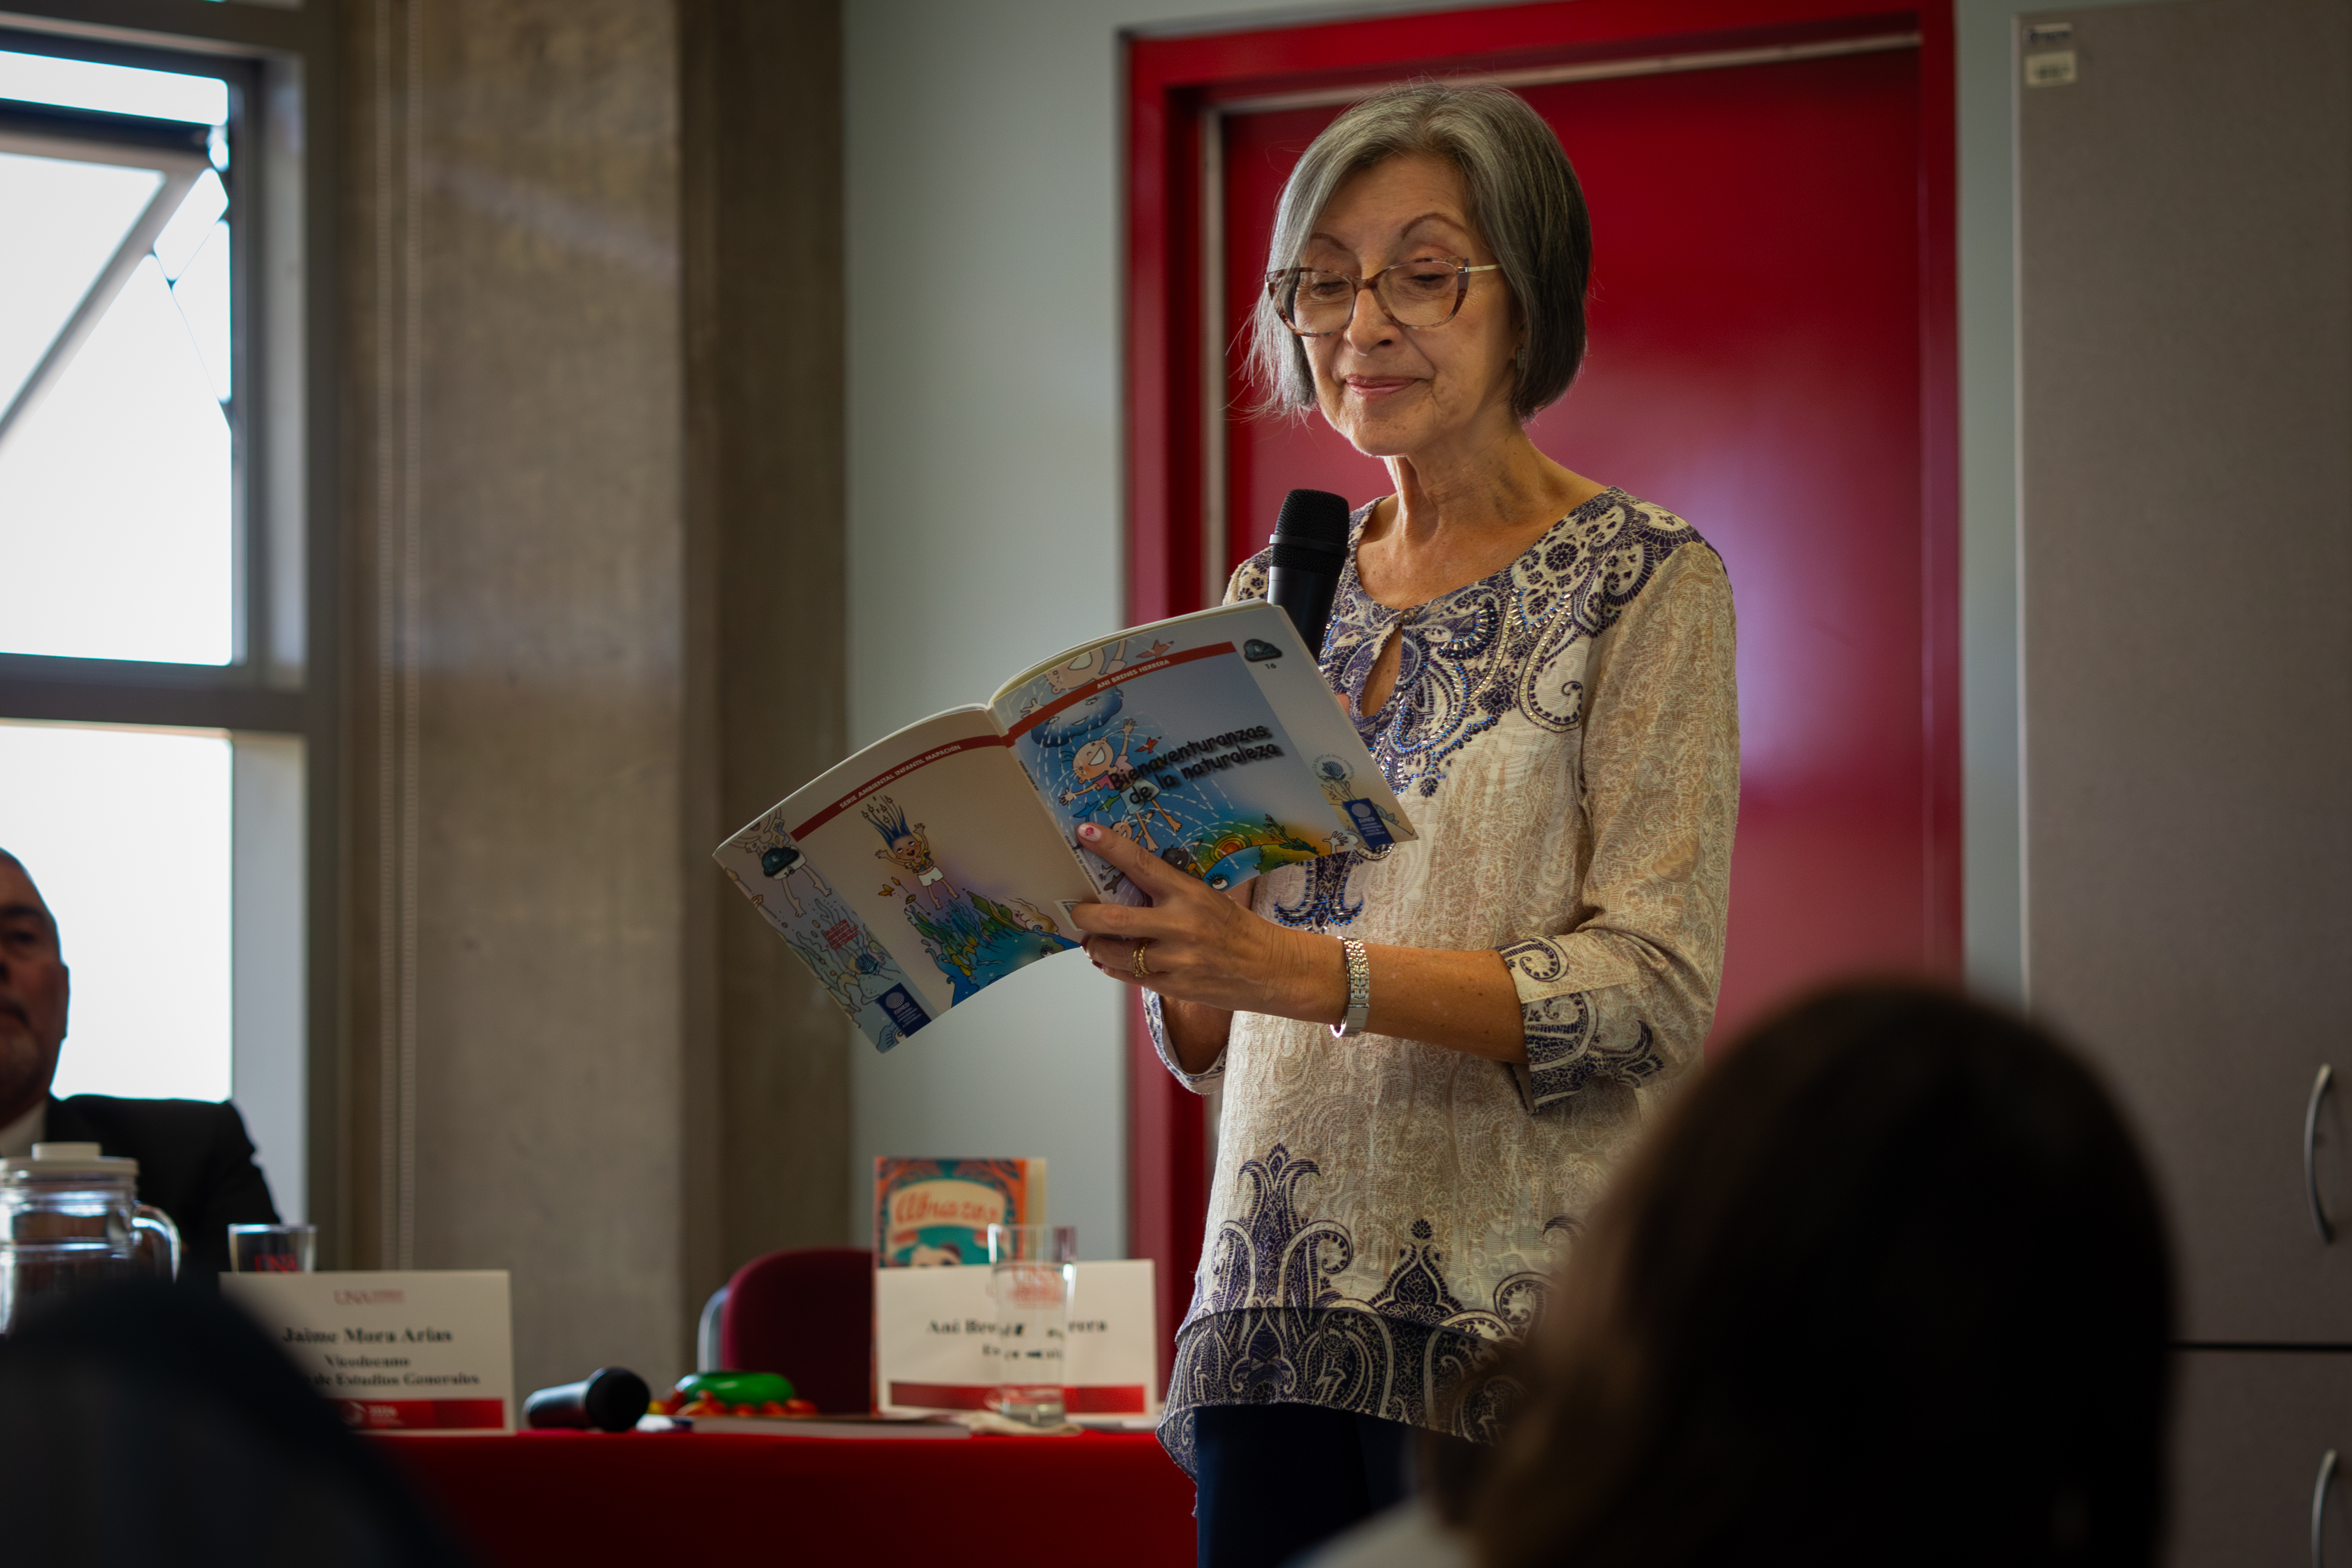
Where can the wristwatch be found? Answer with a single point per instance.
(1359, 990)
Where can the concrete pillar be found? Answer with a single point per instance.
(764, 497)
(595, 538)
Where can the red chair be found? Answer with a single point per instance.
(809, 1314)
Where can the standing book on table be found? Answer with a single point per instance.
(937, 1212)
(944, 857)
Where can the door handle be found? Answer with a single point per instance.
(2319, 1509)
(2319, 1087)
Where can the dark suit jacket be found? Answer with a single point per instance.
(195, 1164)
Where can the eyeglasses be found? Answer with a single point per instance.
(1419, 294)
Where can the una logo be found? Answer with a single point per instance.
(1368, 822)
(1257, 651)
(904, 1010)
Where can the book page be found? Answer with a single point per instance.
(856, 969)
(940, 873)
(1167, 737)
(1320, 725)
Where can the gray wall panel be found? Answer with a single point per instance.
(2186, 390)
(2248, 1437)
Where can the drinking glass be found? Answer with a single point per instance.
(272, 1248)
(1034, 1267)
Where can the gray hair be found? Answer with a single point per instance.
(1525, 202)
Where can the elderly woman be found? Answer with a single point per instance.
(1542, 667)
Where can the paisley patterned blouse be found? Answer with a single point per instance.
(1565, 736)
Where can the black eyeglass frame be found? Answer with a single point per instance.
(1462, 271)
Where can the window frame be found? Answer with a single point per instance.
(255, 662)
(282, 683)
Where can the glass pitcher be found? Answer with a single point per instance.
(70, 1221)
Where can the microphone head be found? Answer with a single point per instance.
(1311, 531)
(613, 1397)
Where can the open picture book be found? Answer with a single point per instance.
(943, 858)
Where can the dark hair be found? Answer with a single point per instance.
(1524, 200)
(1890, 1283)
(178, 1392)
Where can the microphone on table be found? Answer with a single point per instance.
(1310, 552)
(610, 1399)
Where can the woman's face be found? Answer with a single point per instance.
(1391, 391)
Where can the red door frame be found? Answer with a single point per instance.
(1169, 82)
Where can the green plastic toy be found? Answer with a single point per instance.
(736, 1387)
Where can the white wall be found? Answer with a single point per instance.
(984, 500)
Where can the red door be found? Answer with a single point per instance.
(1769, 359)
(1754, 367)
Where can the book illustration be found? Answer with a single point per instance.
(852, 965)
(909, 850)
(935, 1213)
(1106, 783)
(783, 861)
(964, 880)
(971, 939)
(1169, 759)
(1084, 669)
(1371, 825)
(979, 941)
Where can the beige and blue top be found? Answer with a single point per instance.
(1565, 736)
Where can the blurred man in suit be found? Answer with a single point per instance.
(195, 1163)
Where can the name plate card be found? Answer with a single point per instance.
(420, 1351)
(935, 1340)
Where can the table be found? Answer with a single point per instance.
(580, 1498)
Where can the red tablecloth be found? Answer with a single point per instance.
(580, 1498)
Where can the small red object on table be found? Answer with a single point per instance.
(569, 1498)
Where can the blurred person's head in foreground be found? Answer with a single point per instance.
(34, 991)
(147, 1423)
(1888, 1284)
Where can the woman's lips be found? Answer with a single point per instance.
(1378, 386)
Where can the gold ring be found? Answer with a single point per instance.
(1140, 972)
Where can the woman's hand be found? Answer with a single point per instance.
(1201, 947)
(1211, 958)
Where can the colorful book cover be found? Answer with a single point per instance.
(945, 857)
(935, 1213)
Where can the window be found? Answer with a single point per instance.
(117, 362)
(156, 472)
(127, 833)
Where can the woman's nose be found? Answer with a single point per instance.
(1370, 327)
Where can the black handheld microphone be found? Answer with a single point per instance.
(610, 1399)
(1310, 552)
